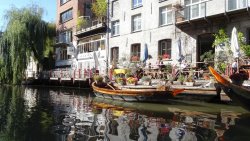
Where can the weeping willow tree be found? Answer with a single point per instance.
(25, 36)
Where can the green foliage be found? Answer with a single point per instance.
(146, 79)
(168, 68)
(221, 38)
(207, 56)
(98, 78)
(81, 22)
(49, 41)
(246, 50)
(99, 8)
(221, 66)
(181, 78)
(243, 45)
(26, 36)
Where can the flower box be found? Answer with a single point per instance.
(190, 84)
(147, 83)
(135, 58)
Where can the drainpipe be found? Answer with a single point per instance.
(107, 38)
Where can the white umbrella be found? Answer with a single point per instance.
(235, 46)
(180, 57)
(96, 60)
(235, 43)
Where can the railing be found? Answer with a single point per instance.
(91, 24)
(207, 8)
(192, 11)
(62, 39)
(68, 74)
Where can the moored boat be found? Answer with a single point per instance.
(239, 94)
(134, 94)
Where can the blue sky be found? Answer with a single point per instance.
(49, 7)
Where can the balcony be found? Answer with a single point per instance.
(210, 11)
(92, 26)
(62, 41)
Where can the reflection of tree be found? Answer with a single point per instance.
(4, 107)
(15, 118)
(19, 123)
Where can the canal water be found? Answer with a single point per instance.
(67, 114)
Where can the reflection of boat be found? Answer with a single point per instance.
(193, 107)
(237, 93)
(142, 93)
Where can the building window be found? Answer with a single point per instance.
(135, 52)
(91, 46)
(136, 23)
(63, 54)
(136, 3)
(194, 9)
(115, 8)
(165, 48)
(236, 4)
(114, 54)
(65, 37)
(166, 15)
(115, 28)
(66, 16)
(63, 1)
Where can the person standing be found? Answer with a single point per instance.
(234, 66)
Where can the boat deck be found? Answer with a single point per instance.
(200, 89)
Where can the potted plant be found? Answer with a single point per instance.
(134, 58)
(132, 81)
(181, 79)
(98, 79)
(120, 81)
(146, 80)
(165, 56)
(190, 81)
(206, 76)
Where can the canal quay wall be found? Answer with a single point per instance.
(61, 77)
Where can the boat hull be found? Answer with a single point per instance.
(238, 94)
(142, 95)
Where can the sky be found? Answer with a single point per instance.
(49, 7)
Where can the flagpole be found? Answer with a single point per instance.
(238, 65)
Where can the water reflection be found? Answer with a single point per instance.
(46, 114)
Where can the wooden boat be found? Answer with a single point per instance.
(238, 94)
(134, 94)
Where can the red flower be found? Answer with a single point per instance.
(134, 58)
(165, 56)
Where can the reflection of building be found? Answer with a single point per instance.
(29, 97)
(115, 123)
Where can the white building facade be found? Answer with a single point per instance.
(158, 24)
(138, 24)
